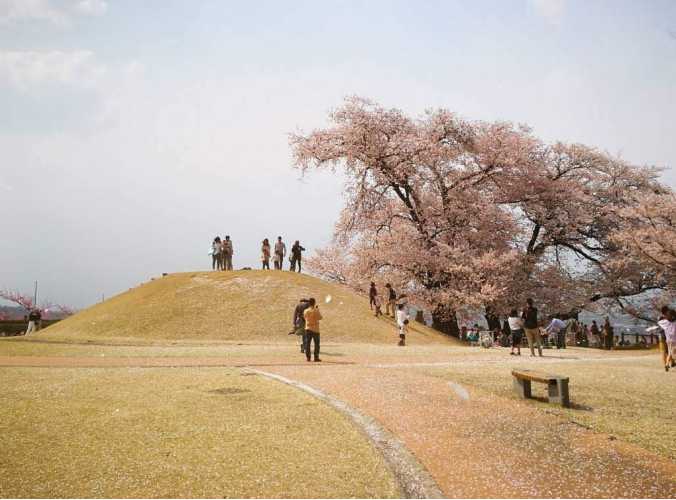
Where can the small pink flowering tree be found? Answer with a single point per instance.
(26, 302)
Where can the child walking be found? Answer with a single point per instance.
(402, 321)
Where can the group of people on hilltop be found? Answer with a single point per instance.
(221, 254)
(222, 251)
(295, 257)
(395, 306)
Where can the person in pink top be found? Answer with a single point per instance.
(667, 323)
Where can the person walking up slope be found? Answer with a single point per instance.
(402, 322)
(390, 306)
(312, 317)
(373, 293)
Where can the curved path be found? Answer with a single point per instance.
(473, 444)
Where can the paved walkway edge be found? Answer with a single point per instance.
(413, 479)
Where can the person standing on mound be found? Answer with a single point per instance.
(402, 322)
(312, 317)
(216, 254)
(265, 254)
(227, 254)
(280, 252)
(296, 256)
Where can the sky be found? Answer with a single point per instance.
(132, 133)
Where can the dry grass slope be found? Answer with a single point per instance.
(233, 306)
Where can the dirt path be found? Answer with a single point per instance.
(486, 446)
(473, 444)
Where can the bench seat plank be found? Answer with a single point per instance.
(537, 376)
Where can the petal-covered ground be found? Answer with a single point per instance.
(176, 432)
(452, 407)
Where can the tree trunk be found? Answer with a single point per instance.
(445, 320)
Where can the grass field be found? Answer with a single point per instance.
(176, 433)
(148, 395)
(633, 400)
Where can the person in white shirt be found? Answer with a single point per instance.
(516, 330)
(216, 256)
(280, 252)
(402, 321)
(667, 323)
(557, 328)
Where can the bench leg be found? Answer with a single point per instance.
(522, 387)
(557, 392)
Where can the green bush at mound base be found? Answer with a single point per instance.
(241, 305)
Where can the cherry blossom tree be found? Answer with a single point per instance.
(646, 251)
(17, 298)
(464, 214)
(26, 302)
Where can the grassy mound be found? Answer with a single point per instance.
(229, 306)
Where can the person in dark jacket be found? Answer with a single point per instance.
(531, 327)
(296, 255)
(299, 322)
(373, 293)
(391, 304)
(34, 318)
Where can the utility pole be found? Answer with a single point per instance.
(35, 295)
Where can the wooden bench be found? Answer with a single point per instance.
(557, 386)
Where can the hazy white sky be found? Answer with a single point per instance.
(134, 132)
